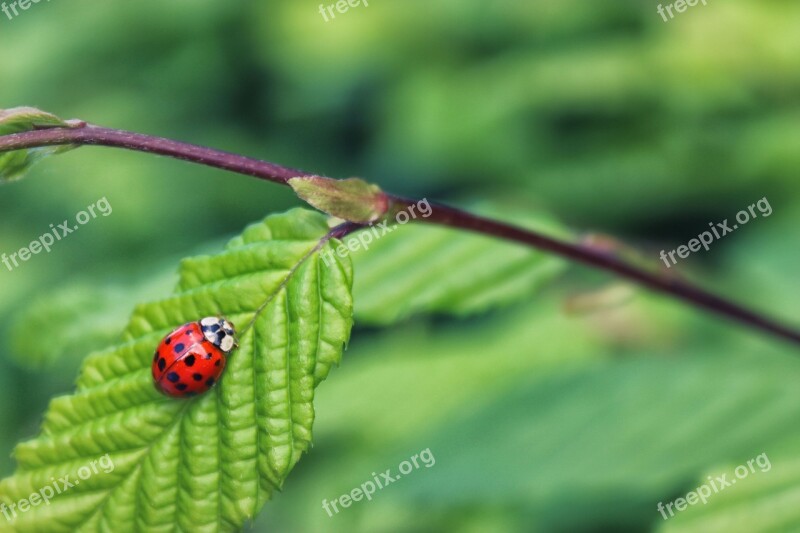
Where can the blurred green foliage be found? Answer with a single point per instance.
(598, 112)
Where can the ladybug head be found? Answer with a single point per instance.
(220, 333)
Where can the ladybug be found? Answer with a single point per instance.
(190, 360)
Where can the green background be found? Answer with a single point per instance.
(547, 415)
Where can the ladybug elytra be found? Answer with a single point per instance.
(191, 359)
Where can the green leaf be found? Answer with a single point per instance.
(82, 317)
(352, 199)
(765, 500)
(420, 268)
(78, 319)
(210, 463)
(425, 377)
(534, 412)
(13, 165)
(608, 443)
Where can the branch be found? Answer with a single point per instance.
(443, 215)
(88, 134)
(690, 294)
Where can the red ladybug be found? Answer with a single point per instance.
(190, 360)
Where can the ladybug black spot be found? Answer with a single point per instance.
(189, 360)
(168, 341)
(162, 364)
(209, 356)
(179, 347)
(210, 382)
(173, 377)
(197, 377)
(219, 361)
(181, 386)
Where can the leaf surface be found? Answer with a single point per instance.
(210, 463)
(420, 268)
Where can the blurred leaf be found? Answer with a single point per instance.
(421, 268)
(209, 463)
(603, 445)
(13, 165)
(7, 416)
(764, 501)
(571, 449)
(78, 320)
(418, 378)
(81, 317)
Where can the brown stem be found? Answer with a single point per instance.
(691, 294)
(82, 134)
(95, 135)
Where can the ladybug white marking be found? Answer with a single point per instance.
(219, 332)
